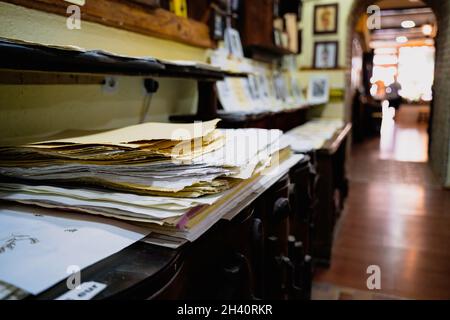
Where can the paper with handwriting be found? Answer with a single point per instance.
(38, 247)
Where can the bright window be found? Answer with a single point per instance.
(416, 72)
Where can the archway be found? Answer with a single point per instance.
(440, 117)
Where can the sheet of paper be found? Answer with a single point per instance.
(191, 63)
(112, 197)
(145, 132)
(39, 248)
(62, 47)
(66, 201)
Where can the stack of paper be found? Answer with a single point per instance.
(160, 174)
(125, 206)
(193, 225)
(148, 158)
(313, 134)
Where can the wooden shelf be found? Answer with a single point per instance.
(131, 16)
(271, 49)
(266, 53)
(256, 26)
(22, 56)
(281, 119)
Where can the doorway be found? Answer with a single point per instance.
(398, 73)
(394, 216)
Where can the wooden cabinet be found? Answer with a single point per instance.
(256, 23)
(332, 189)
(261, 40)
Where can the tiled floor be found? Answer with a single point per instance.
(396, 217)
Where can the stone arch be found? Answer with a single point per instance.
(440, 123)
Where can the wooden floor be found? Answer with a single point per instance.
(396, 217)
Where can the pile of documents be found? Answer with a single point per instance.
(147, 159)
(313, 134)
(165, 175)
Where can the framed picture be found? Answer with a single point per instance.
(318, 89)
(233, 42)
(326, 18)
(326, 55)
(234, 5)
(296, 90)
(254, 89)
(280, 87)
(277, 38)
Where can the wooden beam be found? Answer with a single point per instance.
(133, 17)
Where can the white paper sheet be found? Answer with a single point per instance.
(73, 202)
(38, 247)
(144, 132)
(106, 196)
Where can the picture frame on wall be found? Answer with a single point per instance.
(233, 42)
(318, 89)
(326, 17)
(277, 38)
(217, 25)
(297, 90)
(326, 54)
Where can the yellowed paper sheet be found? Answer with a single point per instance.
(145, 132)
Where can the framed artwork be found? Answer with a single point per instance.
(318, 89)
(254, 89)
(233, 42)
(296, 90)
(234, 5)
(326, 55)
(216, 25)
(326, 18)
(280, 87)
(277, 37)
